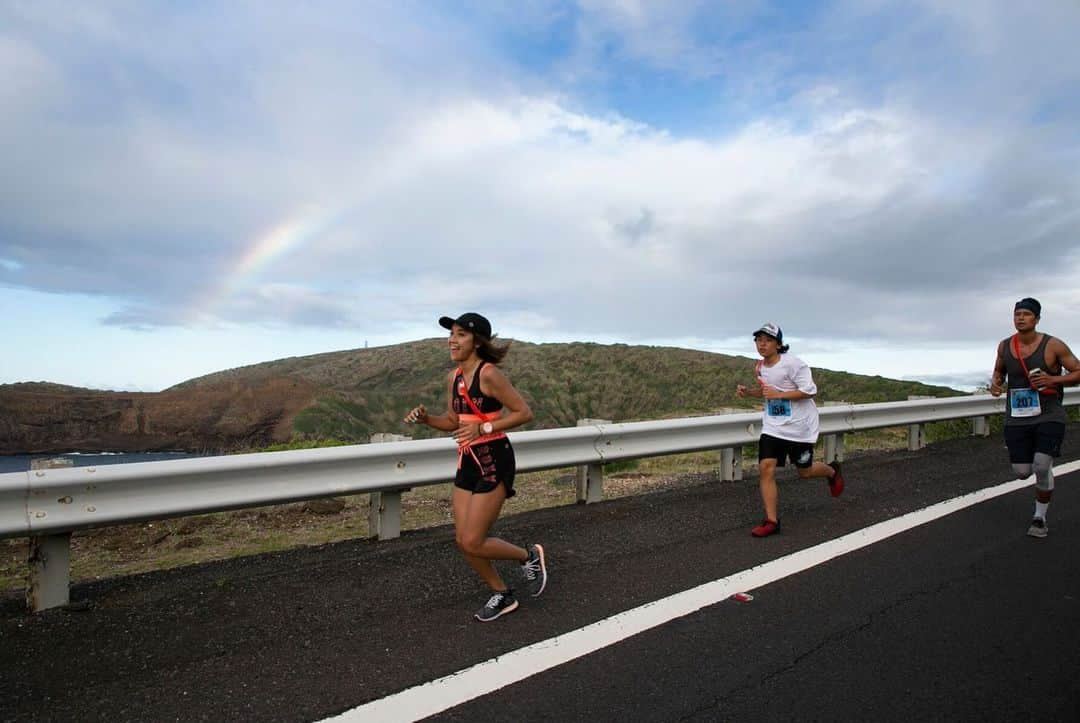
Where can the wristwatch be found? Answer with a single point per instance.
(486, 428)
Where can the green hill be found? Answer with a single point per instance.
(363, 391)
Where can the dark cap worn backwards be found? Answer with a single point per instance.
(771, 330)
(1030, 304)
(470, 321)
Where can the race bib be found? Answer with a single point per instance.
(1024, 403)
(778, 407)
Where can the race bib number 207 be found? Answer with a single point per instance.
(1024, 403)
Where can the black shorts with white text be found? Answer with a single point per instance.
(800, 453)
(497, 464)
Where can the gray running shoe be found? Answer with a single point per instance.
(500, 603)
(1038, 528)
(534, 570)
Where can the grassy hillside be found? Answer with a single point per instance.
(369, 390)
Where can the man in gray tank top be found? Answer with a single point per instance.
(1029, 365)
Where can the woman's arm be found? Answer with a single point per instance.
(516, 410)
(444, 423)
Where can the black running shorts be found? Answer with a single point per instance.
(497, 464)
(770, 447)
(1024, 440)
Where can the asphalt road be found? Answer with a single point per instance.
(964, 618)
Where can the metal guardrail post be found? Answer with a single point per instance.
(730, 464)
(590, 483)
(379, 437)
(917, 432)
(834, 448)
(834, 443)
(590, 477)
(48, 581)
(384, 511)
(384, 517)
(980, 426)
(916, 437)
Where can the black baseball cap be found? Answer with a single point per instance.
(470, 321)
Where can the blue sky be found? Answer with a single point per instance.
(193, 187)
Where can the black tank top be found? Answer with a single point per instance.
(486, 404)
(1052, 411)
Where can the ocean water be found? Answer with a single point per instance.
(21, 462)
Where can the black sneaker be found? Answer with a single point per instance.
(1038, 528)
(500, 603)
(535, 570)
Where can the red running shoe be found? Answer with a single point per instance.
(836, 482)
(766, 528)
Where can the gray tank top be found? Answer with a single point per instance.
(1020, 393)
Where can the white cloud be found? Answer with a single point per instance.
(147, 169)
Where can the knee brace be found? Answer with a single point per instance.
(1044, 473)
(1021, 470)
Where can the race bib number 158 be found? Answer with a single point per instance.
(778, 407)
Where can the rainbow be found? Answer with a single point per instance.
(299, 229)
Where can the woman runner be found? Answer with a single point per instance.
(482, 405)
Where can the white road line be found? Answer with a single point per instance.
(438, 695)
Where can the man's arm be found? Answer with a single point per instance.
(997, 379)
(1060, 350)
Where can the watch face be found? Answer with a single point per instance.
(487, 428)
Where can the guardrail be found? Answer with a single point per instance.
(48, 504)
